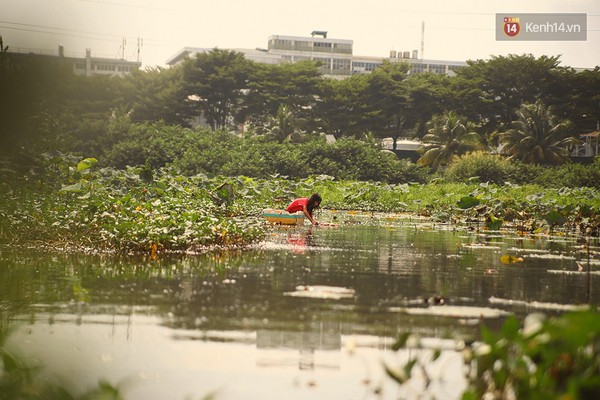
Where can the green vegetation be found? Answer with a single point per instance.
(536, 136)
(447, 137)
(67, 202)
(43, 107)
(155, 182)
(547, 358)
(134, 209)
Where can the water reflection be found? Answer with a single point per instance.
(226, 315)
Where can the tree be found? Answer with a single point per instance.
(496, 88)
(449, 135)
(158, 94)
(387, 98)
(582, 100)
(215, 82)
(294, 85)
(427, 94)
(33, 92)
(3, 55)
(342, 109)
(537, 137)
(284, 125)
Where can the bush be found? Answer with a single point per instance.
(347, 159)
(488, 168)
(571, 175)
(222, 153)
(207, 152)
(154, 143)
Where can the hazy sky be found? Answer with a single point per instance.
(455, 30)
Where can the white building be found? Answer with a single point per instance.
(335, 56)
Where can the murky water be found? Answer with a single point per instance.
(310, 313)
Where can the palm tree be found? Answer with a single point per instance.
(537, 137)
(285, 125)
(448, 136)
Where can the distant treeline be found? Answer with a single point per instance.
(142, 118)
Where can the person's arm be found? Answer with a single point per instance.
(309, 216)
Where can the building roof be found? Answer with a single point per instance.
(258, 54)
(305, 39)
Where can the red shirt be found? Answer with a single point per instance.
(297, 205)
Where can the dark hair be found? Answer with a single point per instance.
(310, 206)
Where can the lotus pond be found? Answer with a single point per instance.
(310, 312)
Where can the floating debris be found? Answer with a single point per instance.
(453, 311)
(435, 300)
(566, 272)
(518, 249)
(508, 259)
(551, 256)
(480, 246)
(537, 304)
(322, 292)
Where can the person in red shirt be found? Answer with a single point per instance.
(306, 205)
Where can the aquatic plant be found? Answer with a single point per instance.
(75, 203)
(546, 358)
(127, 210)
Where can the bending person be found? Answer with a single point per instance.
(306, 205)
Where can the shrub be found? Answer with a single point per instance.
(155, 143)
(487, 168)
(571, 175)
(207, 152)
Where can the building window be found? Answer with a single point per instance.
(343, 48)
(323, 47)
(326, 63)
(340, 64)
(416, 68)
(438, 69)
(105, 67)
(300, 45)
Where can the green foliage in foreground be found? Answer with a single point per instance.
(547, 358)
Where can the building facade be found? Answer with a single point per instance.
(86, 66)
(335, 56)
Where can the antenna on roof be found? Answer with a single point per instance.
(422, 39)
(122, 48)
(319, 33)
(140, 43)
